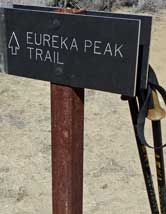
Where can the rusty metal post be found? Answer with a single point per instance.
(67, 118)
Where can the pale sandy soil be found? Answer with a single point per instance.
(113, 181)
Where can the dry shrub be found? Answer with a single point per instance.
(150, 5)
(99, 4)
(128, 3)
(142, 5)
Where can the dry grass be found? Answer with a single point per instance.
(141, 5)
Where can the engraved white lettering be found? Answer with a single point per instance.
(48, 56)
(30, 52)
(52, 48)
(74, 45)
(29, 37)
(63, 43)
(55, 41)
(38, 39)
(46, 40)
(58, 59)
(96, 47)
(118, 50)
(39, 53)
(108, 49)
(88, 44)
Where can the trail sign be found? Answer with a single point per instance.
(85, 51)
(145, 36)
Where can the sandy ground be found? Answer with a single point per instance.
(113, 181)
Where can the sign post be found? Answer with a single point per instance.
(67, 116)
(67, 122)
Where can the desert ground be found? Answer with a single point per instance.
(113, 180)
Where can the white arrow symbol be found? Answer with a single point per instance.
(13, 44)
